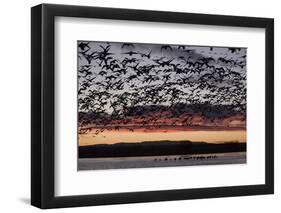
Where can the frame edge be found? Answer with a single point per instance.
(36, 155)
(269, 116)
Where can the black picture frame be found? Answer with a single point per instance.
(43, 110)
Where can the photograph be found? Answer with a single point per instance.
(157, 105)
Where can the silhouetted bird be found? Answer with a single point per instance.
(83, 45)
(233, 50)
(166, 47)
(146, 55)
(127, 45)
(130, 53)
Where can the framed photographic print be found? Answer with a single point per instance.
(139, 106)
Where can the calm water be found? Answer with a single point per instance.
(161, 161)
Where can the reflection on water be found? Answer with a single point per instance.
(162, 161)
(110, 137)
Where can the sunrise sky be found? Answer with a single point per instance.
(195, 93)
(111, 137)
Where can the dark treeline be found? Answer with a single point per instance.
(157, 149)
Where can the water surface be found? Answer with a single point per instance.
(161, 161)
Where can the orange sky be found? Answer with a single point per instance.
(123, 135)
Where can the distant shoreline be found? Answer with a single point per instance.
(158, 148)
